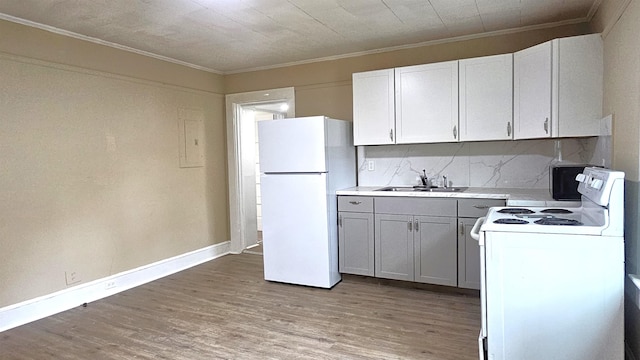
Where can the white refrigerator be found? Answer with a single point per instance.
(303, 161)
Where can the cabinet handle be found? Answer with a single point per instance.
(508, 129)
(455, 131)
(546, 125)
(417, 226)
(355, 202)
(461, 228)
(340, 220)
(391, 134)
(410, 225)
(481, 206)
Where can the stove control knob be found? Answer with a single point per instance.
(580, 177)
(596, 184)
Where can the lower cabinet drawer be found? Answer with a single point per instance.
(475, 208)
(355, 203)
(416, 206)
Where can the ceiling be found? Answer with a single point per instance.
(227, 36)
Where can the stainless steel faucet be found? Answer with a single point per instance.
(423, 178)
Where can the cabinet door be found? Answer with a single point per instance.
(468, 256)
(435, 250)
(532, 92)
(394, 246)
(355, 243)
(373, 108)
(486, 98)
(427, 103)
(578, 85)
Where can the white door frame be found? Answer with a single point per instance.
(238, 223)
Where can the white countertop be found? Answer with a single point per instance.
(514, 197)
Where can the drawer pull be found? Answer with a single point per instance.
(355, 202)
(481, 206)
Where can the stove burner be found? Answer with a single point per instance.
(558, 221)
(556, 211)
(515, 211)
(510, 221)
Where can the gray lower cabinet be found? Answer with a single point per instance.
(394, 247)
(468, 249)
(435, 250)
(355, 235)
(468, 256)
(412, 239)
(415, 240)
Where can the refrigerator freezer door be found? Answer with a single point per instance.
(299, 244)
(292, 145)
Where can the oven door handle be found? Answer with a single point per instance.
(475, 231)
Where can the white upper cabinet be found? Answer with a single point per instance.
(427, 103)
(486, 98)
(532, 92)
(373, 108)
(553, 89)
(577, 95)
(558, 88)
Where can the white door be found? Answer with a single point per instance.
(295, 226)
(292, 145)
(427, 103)
(532, 92)
(241, 228)
(486, 98)
(373, 108)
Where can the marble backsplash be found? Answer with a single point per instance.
(520, 164)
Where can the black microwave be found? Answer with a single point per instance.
(562, 181)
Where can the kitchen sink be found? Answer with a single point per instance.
(423, 189)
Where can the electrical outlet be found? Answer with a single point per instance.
(371, 165)
(109, 284)
(71, 277)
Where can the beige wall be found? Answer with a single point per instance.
(90, 180)
(324, 88)
(619, 20)
(622, 79)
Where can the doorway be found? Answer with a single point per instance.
(243, 112)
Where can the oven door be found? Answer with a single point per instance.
(479, 236)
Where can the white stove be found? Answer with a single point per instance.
(552, 278)
(601, 213)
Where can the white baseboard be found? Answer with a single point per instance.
(35, 309)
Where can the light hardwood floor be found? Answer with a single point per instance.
(224, 309)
